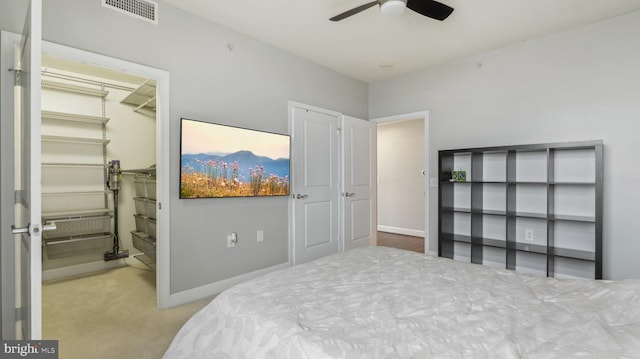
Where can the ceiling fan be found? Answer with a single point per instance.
(428, 8)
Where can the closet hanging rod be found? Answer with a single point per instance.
(47, 72)
(151, 99)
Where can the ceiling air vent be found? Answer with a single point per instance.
(146, 10)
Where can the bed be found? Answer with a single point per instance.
(379, 302)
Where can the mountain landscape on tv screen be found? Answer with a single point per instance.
(246, 161)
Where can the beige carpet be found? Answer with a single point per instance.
(111, 314)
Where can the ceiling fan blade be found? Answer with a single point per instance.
(354, 11)
(430, 8)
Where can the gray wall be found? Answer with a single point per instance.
(247, 87)
(581, 84)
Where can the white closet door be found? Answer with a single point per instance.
(315, 180)
(358, 181)
(28, 212)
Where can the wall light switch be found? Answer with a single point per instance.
(260, 235)
(232, 239)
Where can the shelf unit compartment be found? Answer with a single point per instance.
(72, 226)
(569, 268)
(462, 252)
(574, 236)
(494, 257)
(61, 129)
(494, 228)
(531, 200)
(71, 125)
(494, 198)
(531, 231)
(462, 162)
(79, 178)
(461, 224)
(72, 201)
(93, 245)
(62, 101)
(65, 152)
(574, 165)
(494, 166)
(461, 196)
(531, 263)
(531, 166)
(456, 196)
(573, 201)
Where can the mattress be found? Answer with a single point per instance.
(379, 302)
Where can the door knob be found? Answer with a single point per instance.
(301, 196)
(349, 194)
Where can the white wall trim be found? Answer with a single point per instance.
(404, 231)
(211, 289)
(57, 273)
(415, 116)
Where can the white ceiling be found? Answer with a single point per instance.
(358, 45)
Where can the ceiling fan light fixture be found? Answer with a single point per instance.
(392, 7)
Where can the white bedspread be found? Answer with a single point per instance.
(380, 302)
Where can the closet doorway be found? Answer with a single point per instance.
(97, 110)
(402, 181)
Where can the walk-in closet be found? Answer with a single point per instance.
(98, 169)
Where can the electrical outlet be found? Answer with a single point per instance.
(260, 235)
(232, 239)
(528, 235)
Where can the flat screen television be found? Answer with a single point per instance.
(218, 161)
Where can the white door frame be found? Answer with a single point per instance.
(417, 116)
(163, 270)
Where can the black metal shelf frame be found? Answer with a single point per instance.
(505, 195)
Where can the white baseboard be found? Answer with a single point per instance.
(405, 231)
(190, 295)
(79, 269)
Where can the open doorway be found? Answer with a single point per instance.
(122, 108)
(133, 84)
(98, 167)
(402, 201)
